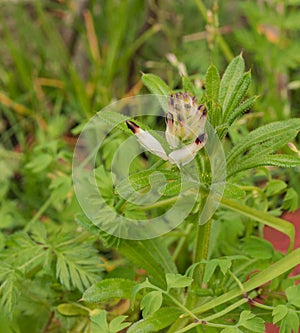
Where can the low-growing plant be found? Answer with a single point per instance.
(218, 275)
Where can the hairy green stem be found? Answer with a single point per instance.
(201, 250)
(206, 321)
(181, 306)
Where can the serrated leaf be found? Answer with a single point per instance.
(277, 160)
(39, 162)
(117, 324)
(275, 186)
(107, 120)
(290, 323)
(237, 96)
(155, 84)
(137, 288)
(281, 266)
(212, 83)
(290, 201)
(232, 75)
(107, 289)
(273, 132)
(10, 291)
(99, 321)
(161, 319)
(151, 303)
(251, 322)
(76, 266)
(178, 280)
(279, 312)
(293, 295)
(243, 107)
(223, 263)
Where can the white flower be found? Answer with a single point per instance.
(185, 122)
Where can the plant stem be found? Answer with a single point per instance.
(205, 321)
(201, 249)
(181, 306)
(182, 242)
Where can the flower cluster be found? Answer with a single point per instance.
(185, 134)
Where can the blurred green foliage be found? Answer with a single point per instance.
(61, 61)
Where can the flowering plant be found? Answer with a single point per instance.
(185, 121)
(202, 277)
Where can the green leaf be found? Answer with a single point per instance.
(117, 325)
(138, 287)
(279, 312)
(39, 162)
(290, 201)
(155, 84)
(258, 248)
(99, 321)
(178, 280)
(107, 289)
(272, 133)
(60, 187)
(151, 303)
(151, 255)
(231, 77)
(279, 267)
(290, 323)
(243, 107)
(237, 95)
(109, 120)
(143, 179)
(293, 295)
(76, 266)
(161, 319)
(212, 83)
(282, 160)
(209, 270)
(223, 263)
(233, 191)
(188, 86)
(10, 291)
(251, 322)
(275, 186)
(265, 218)
(68, 309)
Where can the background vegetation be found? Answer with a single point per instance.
(60, 63)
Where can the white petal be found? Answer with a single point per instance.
(187, 153)
(147, 140)
(150, 143)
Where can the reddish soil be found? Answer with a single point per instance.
(281, 243)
